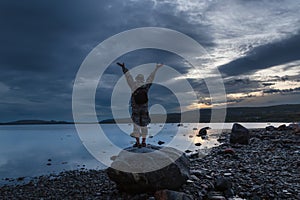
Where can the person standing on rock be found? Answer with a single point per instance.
(139, 103)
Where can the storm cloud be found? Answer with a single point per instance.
(265, 56)
(43, 44)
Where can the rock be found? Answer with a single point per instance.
(198, 144)
(282, 127)
(229, 193)
(20, 178)
(193, 155)
(198, 173)
(170, 195)
(204, 137)
(179, 125)
(270, 128)
(207, 128)
(194, 178)
(222, 184)
(295, 127)
(227, 174)
(137, 170)
(239, 134)
(160, 142)
(229, 151)
(203, 132)
(212, 195)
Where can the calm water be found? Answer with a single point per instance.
(25, 149)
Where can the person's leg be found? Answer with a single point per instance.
(144, 131)
(137, 134)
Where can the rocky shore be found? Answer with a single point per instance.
(266, 168)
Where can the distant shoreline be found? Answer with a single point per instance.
(35, 122)
(279, 113)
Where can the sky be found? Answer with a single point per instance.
(253, 44)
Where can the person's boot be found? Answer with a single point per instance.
(144, 142)
(137, 143)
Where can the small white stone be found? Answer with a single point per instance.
(227, 174)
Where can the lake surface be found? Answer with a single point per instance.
(34, 150)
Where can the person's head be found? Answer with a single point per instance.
(140, 78)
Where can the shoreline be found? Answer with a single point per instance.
(266, 168)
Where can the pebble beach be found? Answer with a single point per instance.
(266, 168)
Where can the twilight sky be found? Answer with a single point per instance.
(255, 45)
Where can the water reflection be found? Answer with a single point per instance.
(25, 150)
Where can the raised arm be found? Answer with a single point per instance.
(152, 75)
(128, 76)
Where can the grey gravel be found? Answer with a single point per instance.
(267, 168)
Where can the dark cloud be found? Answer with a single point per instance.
(265, 56)
(241, 85)
(43, 44)
(267, 84)
(274, 91)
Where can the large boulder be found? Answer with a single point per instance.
(282, 127)
(239, 134)
(295, 127)
(149, 169)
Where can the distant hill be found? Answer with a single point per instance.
(25, 122)
(279, 113)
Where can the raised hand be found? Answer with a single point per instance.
(159, 65)
(121, 64)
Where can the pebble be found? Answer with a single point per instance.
(229, 151)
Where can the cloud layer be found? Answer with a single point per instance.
(254, 44)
